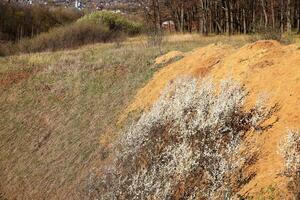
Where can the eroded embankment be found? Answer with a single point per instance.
(264, 67)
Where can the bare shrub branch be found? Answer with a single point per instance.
(289, 148)
(187, 145)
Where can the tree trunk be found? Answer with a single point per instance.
(298, 16)
(282, 17)
(154, 15)
(182, 18)
(210, 21)
(244, 22)
(231, 29)
(159, 21)
(227, 18)
(298, 21)
(273, 14)
(288, 17)
(264, 12)
(204, 19)
(253, 16)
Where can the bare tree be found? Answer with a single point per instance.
(225, 16)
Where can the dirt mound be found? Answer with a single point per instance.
(168, 57)
(264, 67)
(198, 63)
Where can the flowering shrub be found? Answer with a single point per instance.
(185, 147)
(290, 150)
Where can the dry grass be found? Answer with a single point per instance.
(181, 39)
(52, 117)
(51, 120)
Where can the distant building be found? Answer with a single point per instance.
(169, 25)
(79, 5)
(114, 5)
(28, 2)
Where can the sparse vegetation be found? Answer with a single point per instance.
(269, 33)
(186, 147)
(155, 38)
(18, 21)
(55, 106)
(101, 26)
(290, 149)
(266, 33)
(70, 36)
(137, 116)
(115, 22)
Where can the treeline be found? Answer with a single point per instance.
(20, 21)
(224, 16)
(100, 26)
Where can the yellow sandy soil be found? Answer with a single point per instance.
(168, 57)
(264, 67)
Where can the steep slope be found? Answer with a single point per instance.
(53, 109)
(54, 106)
(266, 68)
(198, 63)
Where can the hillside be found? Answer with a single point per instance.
(61, 113)
(265, 68)
(55, 106)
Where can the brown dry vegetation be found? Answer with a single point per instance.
(54, 107)
(101, 26)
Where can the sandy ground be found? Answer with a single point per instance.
(266, 68)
